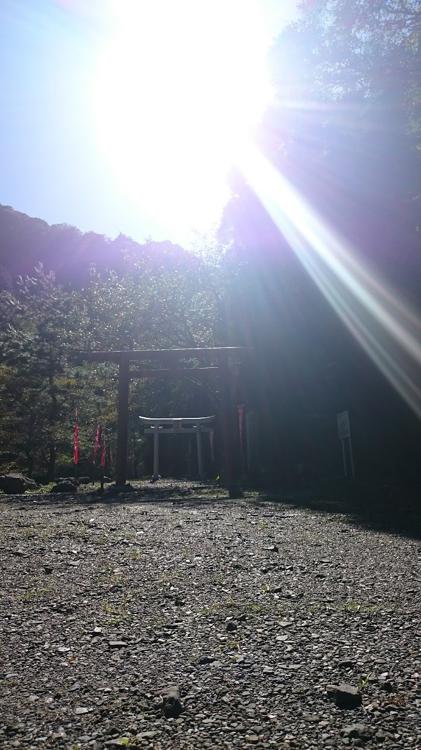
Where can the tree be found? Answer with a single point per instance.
(151, 302)
(42, 324)
(344, 131)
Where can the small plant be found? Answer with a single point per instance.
(43, 489)
(100, 539)
(37, 593)
(364, 680)
(218, 579)
(363, 608)
(234, 645)
(117, 614)
(211, 609)
(111, 577)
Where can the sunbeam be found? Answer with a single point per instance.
(384, 325)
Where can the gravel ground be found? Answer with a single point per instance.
(251, 608)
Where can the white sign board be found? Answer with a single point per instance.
(344, 426)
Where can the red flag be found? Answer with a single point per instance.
(103, 452)
(97, 443)
(76, 440)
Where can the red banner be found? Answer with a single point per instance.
(76, 440)
(103, 451)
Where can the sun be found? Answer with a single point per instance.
(179, 88)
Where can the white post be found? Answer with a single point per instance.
(199, 453)
(344, 457)
(351, 456)
(156, 452)
(211, 444)
(251, 440)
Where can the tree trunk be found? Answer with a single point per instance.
(29, 447)
(52, 453)
(51, 466)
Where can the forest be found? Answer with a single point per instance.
(345, 132)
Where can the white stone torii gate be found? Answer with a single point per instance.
(179, 426)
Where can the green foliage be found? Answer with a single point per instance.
(151, 305)
(41, 325)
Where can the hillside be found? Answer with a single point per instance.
(26, 241)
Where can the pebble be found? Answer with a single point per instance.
(250, 687)
(357, 731)
(206, 660)
(345, 696)
(171, 703)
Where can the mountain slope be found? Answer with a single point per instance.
(26, 241)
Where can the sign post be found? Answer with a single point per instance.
(344, 435)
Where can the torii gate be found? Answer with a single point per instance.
(198, 426)
(219, 362)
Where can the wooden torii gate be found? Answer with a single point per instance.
(219, 362)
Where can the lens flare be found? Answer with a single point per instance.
(386, 327)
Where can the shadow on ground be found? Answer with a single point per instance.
(390, 508)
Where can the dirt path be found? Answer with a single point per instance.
(252, 609)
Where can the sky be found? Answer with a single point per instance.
(97, 128)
